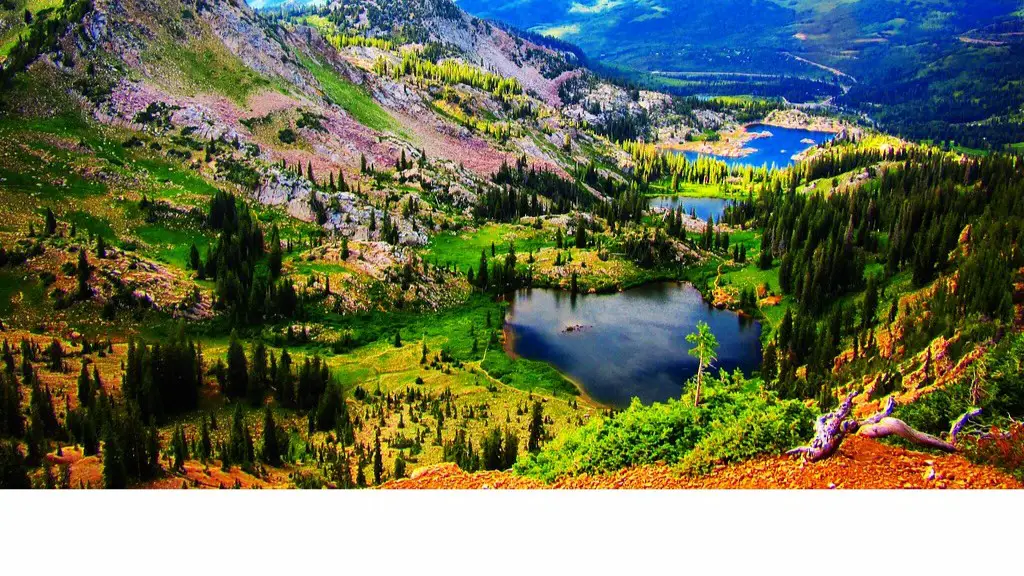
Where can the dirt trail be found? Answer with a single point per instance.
(861, 463)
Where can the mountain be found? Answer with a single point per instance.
(924, 68)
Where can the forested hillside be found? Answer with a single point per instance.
(282, 248)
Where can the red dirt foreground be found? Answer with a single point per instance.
(861, 463)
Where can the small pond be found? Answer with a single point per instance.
(628, 344)
(701, 207)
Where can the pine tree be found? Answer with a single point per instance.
(481, 275)
(50, 227)
(179, 448)
(240, 446)
(510, 449)
(704, 349)
(83, 272)
(276, 256)
(398, 339)
(114, 473)
(237, 376)
(581, 234)
(193, 258)
(85, 391)
(258, 378)
(12, 422)
(13, 474)
(399, 470)
(271, 448)
(536, 429)
(378, 462)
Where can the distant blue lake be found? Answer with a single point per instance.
(629, 344)
(702, 207)
(778, 149)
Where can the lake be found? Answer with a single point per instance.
(628, 344)
(778, 149)
(703, 207)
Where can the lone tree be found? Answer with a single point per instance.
(83, 272)
(704, 350)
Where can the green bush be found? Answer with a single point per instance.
(286, 135)
(736, 420)
(1001, 378)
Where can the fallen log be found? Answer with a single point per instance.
(828, 432)
(831, 429)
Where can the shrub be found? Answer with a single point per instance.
(286, 135)
(1001, 448)
(737, 419)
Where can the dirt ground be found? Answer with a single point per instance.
(861, 463)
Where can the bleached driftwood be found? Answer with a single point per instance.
(832, 428)
(895, 427)
(829, 432)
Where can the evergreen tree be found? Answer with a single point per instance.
(704, 349)
(481, 275)
(399, 468)
(276, 256)
(258, 378)
(50, 226)
(193, 258)
(237, 376)
(240, 447)
(83, 272)
(13, 474)
(581, 234)
(536, 429)
(510, 451)
(271, 448)
(84, 386)
(378, 461)
(179, 448)
(114, 472)
(12, 422)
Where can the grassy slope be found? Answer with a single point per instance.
(352, 98)
(9, 37)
